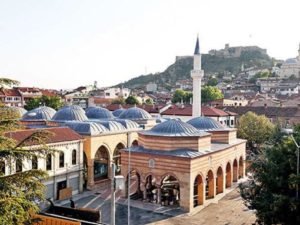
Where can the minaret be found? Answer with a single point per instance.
(197, 75)
(299, 53)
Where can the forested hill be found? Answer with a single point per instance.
(212, 64)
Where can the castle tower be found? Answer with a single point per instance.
(197, 74)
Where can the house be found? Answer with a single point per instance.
(64, 167)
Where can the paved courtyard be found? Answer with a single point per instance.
(229, 210)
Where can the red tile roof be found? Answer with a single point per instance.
(60, 134)
(11, 92)
(186, 110)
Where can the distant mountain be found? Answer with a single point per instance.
(211, 63)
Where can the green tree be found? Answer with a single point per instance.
(149, 101)
(50, 101)
(19, 192)
(209, 93)
(264, 74)
(256, 129)
(181, 96)
(212, 82)
(132, 100)
(270, 189)
(120, 101)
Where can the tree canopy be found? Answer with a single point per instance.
(132, 100)
(19, 192)
(50, 101)
(120, 101)
(256, 129)
(271, 187)
(212, 81)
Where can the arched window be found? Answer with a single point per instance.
(34, 162)
(19, 165)
(74, 157)
(49, 162)
(2, 167)
(61, 160)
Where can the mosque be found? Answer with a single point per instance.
(291, 67)
(186, 164)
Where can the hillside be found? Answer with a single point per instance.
(212, 64)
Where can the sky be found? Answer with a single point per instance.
(68, 43)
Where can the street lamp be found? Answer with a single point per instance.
(290, 132)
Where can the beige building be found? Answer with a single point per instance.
(291, 67)
(186, 164)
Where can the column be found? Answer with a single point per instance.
(90, 174)
(158, 194)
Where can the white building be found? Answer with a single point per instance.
(64, 166)
(151, 87)
(287, 89)
(291, 67)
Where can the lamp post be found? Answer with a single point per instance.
(290, 132)
(113, 196)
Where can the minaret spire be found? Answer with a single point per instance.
(197, 74)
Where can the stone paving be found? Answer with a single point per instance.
(230, 210)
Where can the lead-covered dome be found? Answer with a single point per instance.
(205, 123)
(86, 128)
(39, 114)
(118, 112)
(128, 124)
(174, 127)
(70, 113)
(135, 113)
(112, 126)
(98, 113)
(21, 111)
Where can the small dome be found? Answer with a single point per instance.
(117, 112)
(291, 61)
(21, 111)
(70, 113)
(98, 113)
(174, 127)
(135, 113)
(128, 124)
(112, 126)
(40, 113)
(86, 128)
(205, 123)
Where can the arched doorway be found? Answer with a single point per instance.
(117, 158)
(219, 181)
(170, 190)
(235, 171)
(135, 143)
(198, 191)
(135, 182)
(228, 175)
(151, 190)
(241, 167)
(210, 186)
(101, 164)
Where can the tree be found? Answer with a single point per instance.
(120, 101)
(50, 101)
(181, 96)
(212, 82)
(149, 101)
(19, 192)
(256, 129)
(132, 100)
(209, 93)
(270, 189)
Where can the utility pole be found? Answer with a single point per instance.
(129, 173)
(113, 197)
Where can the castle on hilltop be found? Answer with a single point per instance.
(233, 52)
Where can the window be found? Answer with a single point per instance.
(107, 94)
(61, 160)
(49, 162)
(2, 167)
(231, 122)
(34, 162)
(19, 165)
(74, 157)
